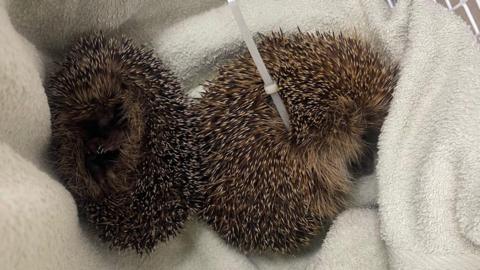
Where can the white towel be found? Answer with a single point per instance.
(428, 167)
(24, 112)
(53, 24)
(429, 158)
(353, 242)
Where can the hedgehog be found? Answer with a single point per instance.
(122, 141)
(267, 188)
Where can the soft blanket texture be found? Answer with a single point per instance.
(429, 160)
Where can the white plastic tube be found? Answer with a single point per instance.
(449, 5)
(271, 87)
(470, 17)
(390, 3)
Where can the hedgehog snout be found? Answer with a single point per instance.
(106, 132)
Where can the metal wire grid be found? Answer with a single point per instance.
(469, 10)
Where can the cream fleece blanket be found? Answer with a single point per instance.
(429, 159)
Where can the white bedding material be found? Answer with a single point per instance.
(24, 112)
(429, 159)
(429, 163)
(53, 24)
(353, 242)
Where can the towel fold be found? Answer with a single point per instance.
(24, 112)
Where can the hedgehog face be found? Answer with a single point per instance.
(106, 134)
(105, 131)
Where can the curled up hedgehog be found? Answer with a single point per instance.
(122, 141)
(268, 188)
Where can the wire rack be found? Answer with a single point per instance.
(469, 10)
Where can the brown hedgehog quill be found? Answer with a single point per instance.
(267, 188)
(122, 141)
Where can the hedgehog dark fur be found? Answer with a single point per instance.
(271, 189)
(122, 141)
